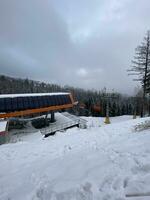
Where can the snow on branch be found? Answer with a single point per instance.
(142, 126)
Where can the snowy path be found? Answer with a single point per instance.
(100, 163)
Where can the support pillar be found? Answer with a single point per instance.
(53, 116)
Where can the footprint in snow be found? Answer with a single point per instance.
(141, 169)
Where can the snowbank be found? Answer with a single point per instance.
(99, 163)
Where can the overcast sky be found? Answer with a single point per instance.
(83, 43)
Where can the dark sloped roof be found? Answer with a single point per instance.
(18, 102)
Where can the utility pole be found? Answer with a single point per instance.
(108, 97)
(107, 121)
(135, 106)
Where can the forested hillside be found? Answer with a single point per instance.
(90, 102)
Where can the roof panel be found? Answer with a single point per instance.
(18, 103)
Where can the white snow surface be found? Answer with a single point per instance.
(102, 162)
(31, 94)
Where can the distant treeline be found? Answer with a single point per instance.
(88, 99)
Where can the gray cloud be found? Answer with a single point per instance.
(87, 43)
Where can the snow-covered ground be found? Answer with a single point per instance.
(102, 162)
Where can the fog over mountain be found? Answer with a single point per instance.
(83, 43)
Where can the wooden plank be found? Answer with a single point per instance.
(138, 194)
(32, 111)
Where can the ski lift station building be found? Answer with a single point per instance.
(17, 105)
(27, 105)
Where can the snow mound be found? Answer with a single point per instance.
(142, 126)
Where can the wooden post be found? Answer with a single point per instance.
(142, 194)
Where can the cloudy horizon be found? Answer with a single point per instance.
(87, 44)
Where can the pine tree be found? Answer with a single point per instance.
(141, 67)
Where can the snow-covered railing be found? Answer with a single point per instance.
(59, 127)
(73, 121)
(82, 122)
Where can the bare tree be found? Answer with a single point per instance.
(141, 67)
